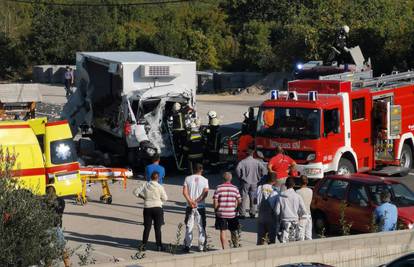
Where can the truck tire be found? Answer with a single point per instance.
(345, 167)
(406, 159)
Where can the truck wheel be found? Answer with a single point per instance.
(406, 159)
(345, 167)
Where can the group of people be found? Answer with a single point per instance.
(195, 190)
(266, 192)
(193, 143)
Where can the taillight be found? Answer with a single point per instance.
(127, 128)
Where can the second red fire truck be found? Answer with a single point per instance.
(341, 126)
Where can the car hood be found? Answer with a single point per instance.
(406, 213)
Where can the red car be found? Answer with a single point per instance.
(357, 195)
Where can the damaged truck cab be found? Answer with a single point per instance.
(124, 99)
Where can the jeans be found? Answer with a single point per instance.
(197, 216)
(305, 228)
(150, 215)
(268, 228)
(248, 193)
(290, 231)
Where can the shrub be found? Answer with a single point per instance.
(28, 236)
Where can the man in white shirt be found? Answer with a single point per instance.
(305, 222)
(195, 191)
(290, 208)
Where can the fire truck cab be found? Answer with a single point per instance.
(341, 126)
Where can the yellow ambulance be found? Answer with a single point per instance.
(46, 159)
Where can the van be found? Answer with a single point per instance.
(45, 156)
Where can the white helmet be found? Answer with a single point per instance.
(212, 114)
(214, 122)
(193, 125)
(345, 28)
(176, 106)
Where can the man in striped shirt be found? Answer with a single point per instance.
(226, 200)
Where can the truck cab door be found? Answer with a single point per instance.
(361, 133)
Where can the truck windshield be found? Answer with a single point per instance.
(297, 123)
(63, 151)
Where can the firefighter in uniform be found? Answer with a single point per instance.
(339, 49)
(193, 148)
(213, 138)
(178, 128)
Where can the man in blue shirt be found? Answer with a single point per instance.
(155, 166)
(386, 214)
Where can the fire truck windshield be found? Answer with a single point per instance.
(297, 123)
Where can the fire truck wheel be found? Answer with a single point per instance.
(406, 159)
(345, 166)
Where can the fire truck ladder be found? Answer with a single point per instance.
(384, 79)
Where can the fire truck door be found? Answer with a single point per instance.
(361, 129)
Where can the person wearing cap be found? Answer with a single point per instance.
(249, 171)
(386, 214)
(280, 165)
(305, 222)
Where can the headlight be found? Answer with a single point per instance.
(311, 157)
(299, 66)
(410, 226)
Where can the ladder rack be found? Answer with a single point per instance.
(379, 81)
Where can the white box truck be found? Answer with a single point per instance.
(125, 98)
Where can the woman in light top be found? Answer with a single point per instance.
(154, 195)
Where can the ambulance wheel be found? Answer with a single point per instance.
(406, 159)
(345, 167)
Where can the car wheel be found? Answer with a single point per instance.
(406, 159)
(320, 224)
(345, 167)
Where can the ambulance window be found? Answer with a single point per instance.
(63, 151)
(358, 109)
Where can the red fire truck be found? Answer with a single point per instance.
(341, 126)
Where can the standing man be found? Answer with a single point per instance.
(68, 80)
(386, 214)
(249, 171)
(155, 167)
(226, 200)
(213, 138)
(305, 222)
(290, 208)
(280, 165)
(267, 223)
(195, 191)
